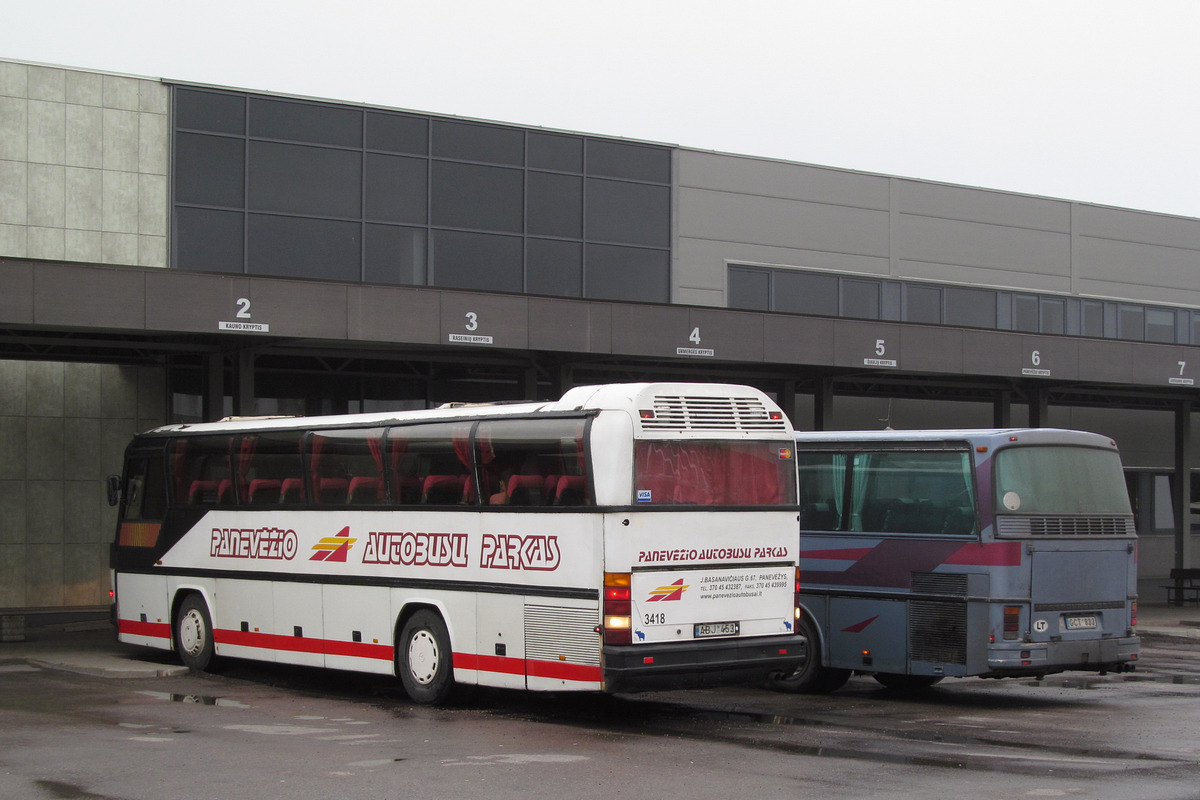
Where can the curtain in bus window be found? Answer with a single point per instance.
(179, 480)
(822, 484)
(711, 473)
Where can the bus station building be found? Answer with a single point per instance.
(173, 252)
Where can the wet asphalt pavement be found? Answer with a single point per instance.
(81, 717)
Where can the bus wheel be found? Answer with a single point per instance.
(425, 665)
(906, 683)
(810, 677)
(193, 633)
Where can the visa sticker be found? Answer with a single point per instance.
(643, 496)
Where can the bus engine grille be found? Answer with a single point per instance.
(937, 628)
(937, 631)
(1064, 526)
(553, 633)
(688, 413)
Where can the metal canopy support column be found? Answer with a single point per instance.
(1183, 484)
(243, 383)
(787, 400)
(823, 405)
(214, 387)
(1002, 410)
(1039, 408)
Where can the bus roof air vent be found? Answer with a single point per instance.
(694, 413)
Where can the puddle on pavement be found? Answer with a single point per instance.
(1100, 682)
(196, 699)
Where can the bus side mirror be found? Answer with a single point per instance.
(114, 489)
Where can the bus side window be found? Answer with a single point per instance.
(429, 464)
(269, 469)
(346, 467)
(912, 492)
(822, 484)
(145, 496)
(531, 462)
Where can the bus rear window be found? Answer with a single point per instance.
(1055, 479)
(714, 473)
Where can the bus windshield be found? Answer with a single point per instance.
(1056, 479)
(752, 473)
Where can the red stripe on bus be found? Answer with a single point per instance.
(154, 630)
(563, 671)
(535, 669)
(847, 554)
(301, 644)
(991, 554)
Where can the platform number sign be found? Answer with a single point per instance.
(471, 326)
(880, 356)
(695, 349)
(242, 317)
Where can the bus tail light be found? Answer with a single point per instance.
(1012, 622)
(796, 596)
(1133, 614)
(617, 625)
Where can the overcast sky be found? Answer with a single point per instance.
(1089, 100)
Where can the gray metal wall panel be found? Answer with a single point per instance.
(1106, 361)
(210, 299)
(16, 292)
(649, 330)
(764, 177)
(503, 318)
(600, 326)
(776, 222)
(980, 205)
(991, 353)
(559, 325)
(1153, 272)
(393, 314)
(1164, 365)
(797, 340)
(72, 296)
(299, 308)
(1137, 226)
(930, 349)
(730, 335)
(955, 243)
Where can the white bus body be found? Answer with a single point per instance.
(647, 538)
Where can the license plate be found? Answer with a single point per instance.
(1080, 623)
(704, 629)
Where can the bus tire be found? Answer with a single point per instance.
(424, 659)
(810, 677)
(194, 633)
(906, 683)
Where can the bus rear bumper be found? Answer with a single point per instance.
(1041, 658)
(637, 668)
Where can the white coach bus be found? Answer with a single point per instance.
(625, 537)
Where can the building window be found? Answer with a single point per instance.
(276, 186)
(860, 299)
(970, 308)
(1160, 325)
(797, 291)
(922, 303)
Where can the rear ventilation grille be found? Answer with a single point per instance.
(937, 630)
(684, 413)
(562, 634)
(1064, 526)
(952, 585)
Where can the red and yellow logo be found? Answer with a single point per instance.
(672, 591)
(334, 548)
